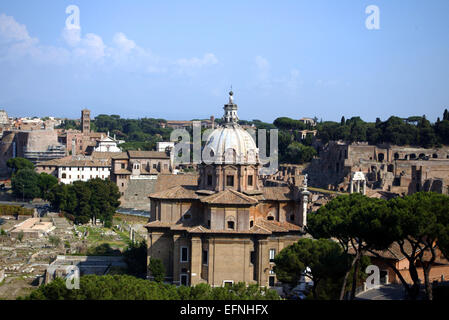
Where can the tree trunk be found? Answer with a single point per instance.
(345, 280)
(427, 283)
(415, 278)
(426, 266)
(315, 284)
(414, 290)
(355, 275)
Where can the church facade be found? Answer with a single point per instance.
(229, 227)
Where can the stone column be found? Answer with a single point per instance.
(364, 187)
(352, 186)
(263, 263)
(176, 259)
(211, 263)
(305, 200)
(196, 261)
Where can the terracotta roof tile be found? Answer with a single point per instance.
(177, 192)
(229, 196)
(167, 181)
(275, 193)
(148, 154)
(276, 226)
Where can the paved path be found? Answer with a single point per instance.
(385, 292)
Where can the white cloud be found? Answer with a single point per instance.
(124, 53)
(91, 47)
(72, 36)
(207, 60)
(123, 43)
(266, 81)
(15, 42)
(11, 30)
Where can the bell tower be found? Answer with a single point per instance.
(85, 121)
(230, 116)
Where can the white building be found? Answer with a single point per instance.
(107, 144)
(162, 146)
(84, 170)
(3, 117)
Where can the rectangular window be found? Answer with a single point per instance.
(209, 179)
(272, 254)
(271, 281)
(252, 258)
(205, 257)
(184, 254)
(184, 280)
(230, 181)
(250, 180)
(228, 283)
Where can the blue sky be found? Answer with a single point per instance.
(178, 59)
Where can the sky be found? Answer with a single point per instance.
(178, 59)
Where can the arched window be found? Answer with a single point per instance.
(381, 157)
(231, 225)
(251, 224)
(270, 218)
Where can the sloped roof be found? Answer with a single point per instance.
(105, 155)
(276, 194)
(177, 192)
(120, 156)
(167, 181)
(54, 162)
(229, 196)
(70, 162)
(148, 154)
(276, 226)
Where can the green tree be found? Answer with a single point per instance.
(45, 183)
(345, 219)
(125, 287)
(157, 269)
(136, 259)
(17, 164)
(91, 200)
(24, 184)
(317, 259)
(299, 153)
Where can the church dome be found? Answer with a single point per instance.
(230, 143)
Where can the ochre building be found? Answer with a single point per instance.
(228, 228)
